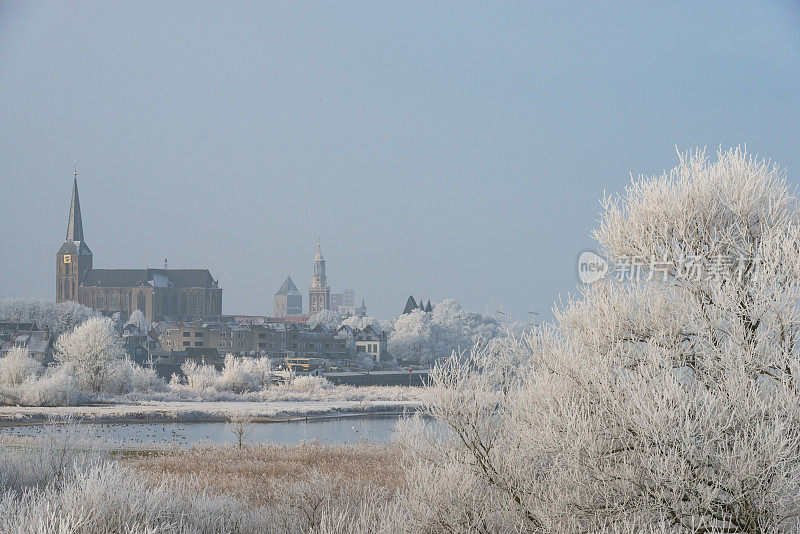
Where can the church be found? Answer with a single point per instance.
(161, 294)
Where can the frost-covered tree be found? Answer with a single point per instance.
(17, 366)
(199, 377)
(327, 318)
(138, 320)
(237, 375)
(429, 336)
(57, 317)
(667, 402)
(93, 351)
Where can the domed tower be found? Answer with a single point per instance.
(319, 294)
(73, 259)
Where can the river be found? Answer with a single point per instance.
(338, 430)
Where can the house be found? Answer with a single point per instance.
(370, 340)
(38, 342)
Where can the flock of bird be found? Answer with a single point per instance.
(183, 435)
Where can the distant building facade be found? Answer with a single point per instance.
(288, 300)
(276, 340)
(179, 294)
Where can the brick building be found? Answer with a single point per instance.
(178, 294)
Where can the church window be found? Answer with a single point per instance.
(140, 301)
(100, 303)
(114, 300)
(60, 289)
(87, 299)
(183, 304)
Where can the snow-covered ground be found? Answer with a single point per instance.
(198, 410)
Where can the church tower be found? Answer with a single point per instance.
(319, 294)
(74, 259)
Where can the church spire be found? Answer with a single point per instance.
(75, 224)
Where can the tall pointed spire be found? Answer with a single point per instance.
(75, 224)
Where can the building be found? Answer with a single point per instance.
(347, 306)
(369, 340)
(319, 294)
(38, 342)
(276, 340)
(288, 300)
(178, 294)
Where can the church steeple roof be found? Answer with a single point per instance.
(411, 305)
(75, 224)
(288, 287)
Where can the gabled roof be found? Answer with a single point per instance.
(288, 288)
(411, 305)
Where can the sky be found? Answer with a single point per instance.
(449, 149)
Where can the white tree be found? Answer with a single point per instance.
(429, 336)
(666, 402)
(57, 317)
(93, 351)
(17, 366)
(138, 320)
(327, 318)
(237, 375)
(199, 377)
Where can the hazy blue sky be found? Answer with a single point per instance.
(453, 149)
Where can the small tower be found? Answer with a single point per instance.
(319, 294)
(288, 300)
(411, 305)
(73, 259)
(361, 311)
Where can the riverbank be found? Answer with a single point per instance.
(199, 411)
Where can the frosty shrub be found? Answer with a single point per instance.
(309, 383)
(17, 366)
(659, 403)
(199, 377)
(238, 375)
(93, 351)
(56, 387)
(145, 380)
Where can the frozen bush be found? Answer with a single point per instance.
(237, 376)
(199, 377)
(309, 383)
(17, 366)
(56, 387)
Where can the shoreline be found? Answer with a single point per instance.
(196, 412)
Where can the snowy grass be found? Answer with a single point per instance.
(271, 489)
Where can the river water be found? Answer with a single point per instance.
(340, 430)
